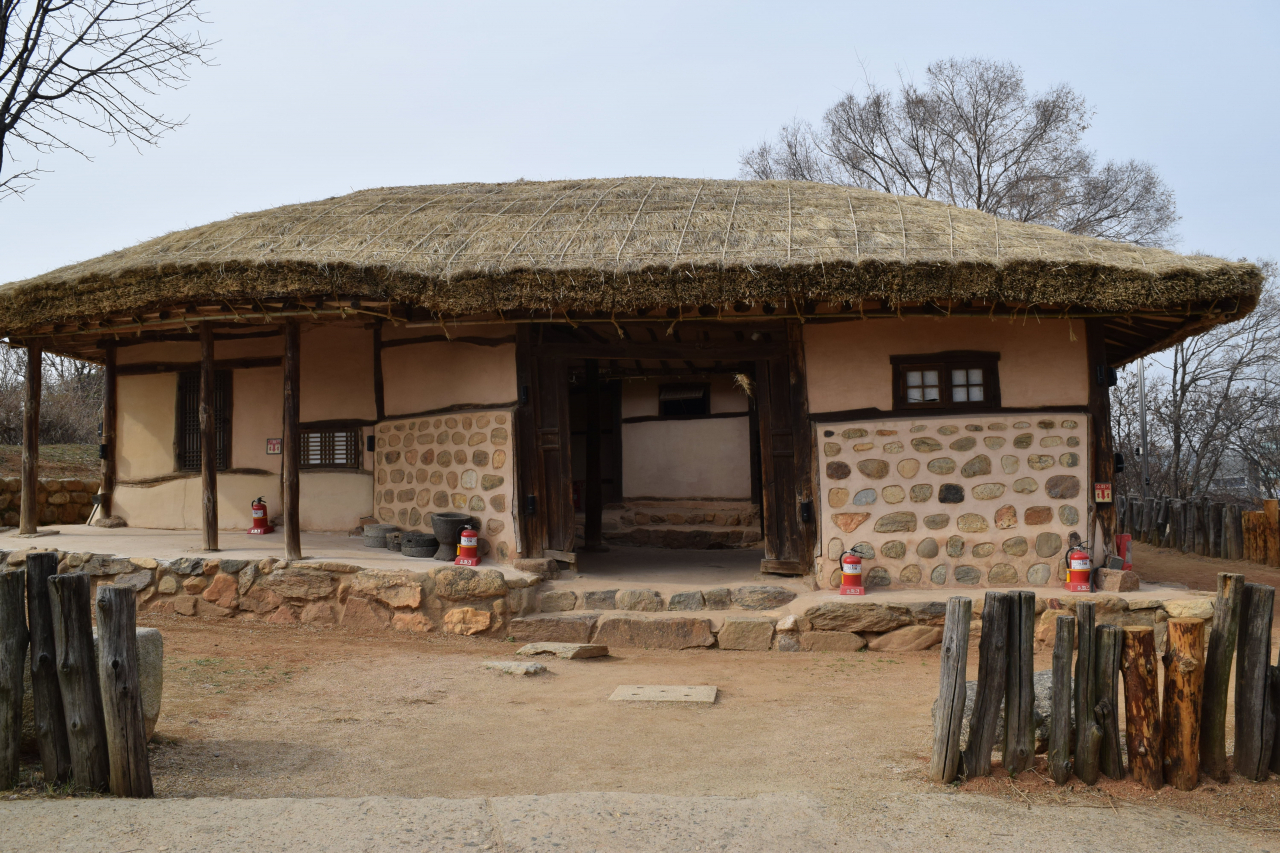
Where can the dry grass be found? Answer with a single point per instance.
(57, 461)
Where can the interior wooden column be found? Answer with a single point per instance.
(292, 441)
(592, 503)
(208, 440)
(108, 449)
(1102, 463)
(31, 440)
(379, 394)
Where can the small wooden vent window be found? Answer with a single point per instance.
(687, 399)
(330, 448)
(187, 445)
(946, 380)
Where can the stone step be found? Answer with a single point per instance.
(687, 536)
(745, 597)
(717, 517)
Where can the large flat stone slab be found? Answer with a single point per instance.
(554, 628)
(565, 651)
(516, 668)
(704, 694)
(746, 633)
(854, 616)
(634, 632)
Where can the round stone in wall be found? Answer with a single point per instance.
(865, 497)
(440, 498)
(403, 517)
(1015, 547)
(421, 476)
(388, 495)
(896, 522)
(928, 548)
(978, 466)
(1039, 574)
(937, 522)
(919, 428)
(409, 441)
(894, 549)
(973, 427)
(476, 438)
(405, 495)
(1062, 486)
(955, 546)
(865, 550)
(1006, 517)
(1036, 515)
(459, 437)
(428, 456)
(984, 549)
(411, 457)
(500, 419)
(993, 442)
(482, 422)
(382, 476)
(459, 457)
(908, 468)
(452, 478)
(968, 575)
(949, 429)
(498, 503)
(451, 423)
(893, 447)
(893, 494)
(838, 470)
(909, 574)
(466, 421)
(391, 457)
(1036, 462)
(415, 517)
(921, 492)
(503, 550)
(424, 497)
(1003, 574)
(476, 504)
(469, 479)
(951, 493)
(834, 549)
(397, 476)
(445, 459)
(1051, 441)
(997, 427)
(489, 482)
(1025, 485)
(393, 440)
(494, 526)
(1023, 440)
(837, 497)
(458, 500)
(849, 521)
(436, 477)
(384, 428)
(971, 522)
(1073, 441)
(1069, 424)
(832, 448)
(1009, 464)
(387, 515)
(498, 435)
(499, 458)
(1046, 423)
(1068, 515)
(944, 465)
(1069, 460)
(963, 443)
(873, 469)
(878, 576)
(1021, 425)
(480, 458)
(988, 491)
(938, 575)
(443, 437)
(834, 580)
(853, 432)
(864, 447)
(1048, 544)
(926, 445)
(423, 426)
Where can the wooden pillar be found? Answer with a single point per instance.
(944, 765)
(208, 440)
(1142, 707)
(46, 695)
(31, 441)
(1064, 639)
(1102, 462)
(130, 770)
(592, 504)
(78, 680)
(107, 451)
(1183, 689)
(379, 394)
(1217, 676)
(13, 652)
(292, 440)
(1253, 738)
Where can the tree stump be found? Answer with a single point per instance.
(13, 654)
(1253, 653)
(78, 680)
(945, 763)
(1064, 640)
(117, 611)
(1142, 727)
(1106, 690)
(993, 664)
(51, 725)
(1183, 692)
(1217, 676)
(1019, 690)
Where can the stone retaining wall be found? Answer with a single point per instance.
(57, 501)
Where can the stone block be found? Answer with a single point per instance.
(565, 651)
(645, 600)
(831, 641)
(762, 597)
(414, 622)
(210, 610)
(223, 591)
(293, 582)
(1190, 608)
(195, 585)
(673, 633)
(746, 633)
(1112, 580)
(558, 601)
(689, 600)
(600, 599)
(1047, 627)
(136, 581)
(515, 668)
(850, 616)
(720, 598)
(462, 583)
(365, 615)
(569, 628)
(467, 621)
(318, 613)
(912, 638)
(392, 588)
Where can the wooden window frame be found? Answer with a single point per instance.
(186, 460)
(945, 362)
(706, 399)
(350, 435)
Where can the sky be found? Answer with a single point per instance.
(314, 99)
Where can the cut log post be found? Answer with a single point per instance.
(1183, 691)
(1019, 688)
(27, 509)
(1273, 715)
(1149, 534)
(292, 442)
(78, 680)
(1215, 528)
(13, 656)
(117, 611)
(1064, 640)
(993, 665)
(1162, 522)
(1201, 527)
(1084, 698)
(1235, 540)
(110, 398)
(1253, 653)
(1142, 727)
(50, 724)
(208, 440)
(1107, 648)
(945, 763)
(1271, 514)
(1217, 676)
(1255, 539)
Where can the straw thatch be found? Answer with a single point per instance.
(619, 245)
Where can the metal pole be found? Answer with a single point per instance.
(1142, 425)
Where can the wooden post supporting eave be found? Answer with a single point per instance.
(379, 392)
(31, 440)
(208, 440)
(108, 450)
(1102, 461)
(592, 503)
(292, 441)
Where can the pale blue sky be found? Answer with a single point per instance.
(314, 99)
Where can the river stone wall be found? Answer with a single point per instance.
(57, 501)
(953, 501)
(451, 463)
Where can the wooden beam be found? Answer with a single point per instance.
(208, 441)
(439, 339)
(110, 383)
(379, 395)
(292, 440)
(147, 368)
(31, 441)
(592, 502)
(1102, 461)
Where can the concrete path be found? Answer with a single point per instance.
(603, 822)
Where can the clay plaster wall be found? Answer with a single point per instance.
(337, 374)
(145, 425)
(423, 377)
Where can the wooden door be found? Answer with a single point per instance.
(542, 423)
(786, 458)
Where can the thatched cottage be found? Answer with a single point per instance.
(795, 367)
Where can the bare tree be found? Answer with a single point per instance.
(68, 65)
(975, 137)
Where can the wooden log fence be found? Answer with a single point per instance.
(1217, 676)
(1088, 732)
(993, 664)
(1211, 528)
(1142, 725)
(78, 680)
(1064, 640)
(117, 611)
(13, 653)
(1020, 698)
(1253, 739)
(50, 722)
(1106, 680)
(1184, 666)
(945, 763)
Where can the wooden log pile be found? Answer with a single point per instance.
(1175, 738)
(88, 709)
(1201, 526)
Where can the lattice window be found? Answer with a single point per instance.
(188, 438)
(684, 399)
(330, 448)
(946, 380)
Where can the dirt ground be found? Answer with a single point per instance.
(57, 461)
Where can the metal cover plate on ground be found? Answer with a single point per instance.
(663, 693)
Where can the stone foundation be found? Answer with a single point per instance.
(57, 501)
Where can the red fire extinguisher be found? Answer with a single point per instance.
(1079, 570)
(468, 548)
(851, 574)
(259, 510)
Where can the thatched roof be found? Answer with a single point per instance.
(621, 245)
